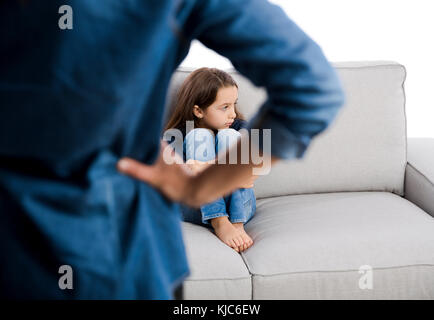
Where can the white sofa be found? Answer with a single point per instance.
(353, 219)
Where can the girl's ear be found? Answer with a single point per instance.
(197, 112)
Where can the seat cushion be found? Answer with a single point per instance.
(216, 270)
(312, 247)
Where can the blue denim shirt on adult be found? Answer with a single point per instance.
(72, 102)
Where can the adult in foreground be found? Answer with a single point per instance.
(73, 102)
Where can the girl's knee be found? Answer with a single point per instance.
(199, 144)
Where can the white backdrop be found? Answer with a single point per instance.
(348, 30)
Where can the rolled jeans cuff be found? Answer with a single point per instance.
(213, 210)
(205, 219)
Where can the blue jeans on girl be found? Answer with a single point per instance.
(239, 206)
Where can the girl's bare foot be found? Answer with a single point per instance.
(247, 240)
(229, 234)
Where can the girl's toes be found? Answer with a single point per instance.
(246, 238)
(231, 244)
(239, 243)
(236, 242)
(249, 242)
(242, 242)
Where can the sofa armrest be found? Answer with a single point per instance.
(419, 173)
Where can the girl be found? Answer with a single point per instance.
(208, 97)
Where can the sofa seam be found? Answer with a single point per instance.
(251, 274)
(388, 65)
(326, 192)
(246, 263)
(338, 271)
(405, 127)
(220, 279)
(420, 173)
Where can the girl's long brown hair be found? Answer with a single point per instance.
(199, 88)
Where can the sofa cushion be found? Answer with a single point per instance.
(216, 270)
(312, 247)
(364, 149)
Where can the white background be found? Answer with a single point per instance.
(349, 30)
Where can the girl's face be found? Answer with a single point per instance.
(221, 113)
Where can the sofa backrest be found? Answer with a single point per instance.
(364, 149)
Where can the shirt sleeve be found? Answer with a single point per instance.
(266, 46)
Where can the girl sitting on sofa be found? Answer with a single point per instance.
(208, 97)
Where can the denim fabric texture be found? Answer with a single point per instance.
(75, 101)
